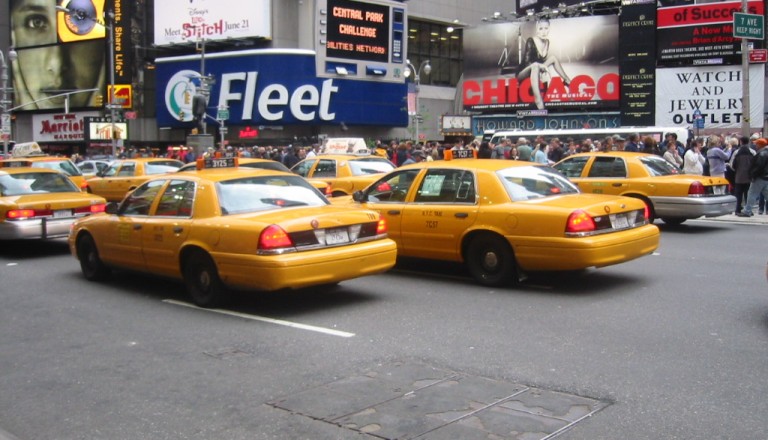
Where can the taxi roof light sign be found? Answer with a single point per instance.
(27, 149)
(216, 162)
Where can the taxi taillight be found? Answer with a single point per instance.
(580, 222)
(696, 189)
(19, 214)
(274, 237)
(93, 209)
(381, 227)
(84, 186)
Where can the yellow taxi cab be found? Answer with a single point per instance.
(29, 154)
(504, 219)
(221, 229)
(267, 164)
(345, 173)
(123, 176)
(38, 203)
(670, 195)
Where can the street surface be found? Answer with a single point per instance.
(673, 345)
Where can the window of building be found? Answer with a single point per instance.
(441, 45)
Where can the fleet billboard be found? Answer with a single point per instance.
(274, 87)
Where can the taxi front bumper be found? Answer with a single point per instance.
(35, 229)
(693, 207)
(308, 268)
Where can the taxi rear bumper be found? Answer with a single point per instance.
(303, 269)
(575, 253)
(693, 207)
(35, 229)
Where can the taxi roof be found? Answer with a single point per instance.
(480, 164)
(22, 170)
(228, 173)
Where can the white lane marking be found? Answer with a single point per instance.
(312, 328)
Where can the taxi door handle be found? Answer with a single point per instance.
(394, 212)
(136, 227)
(617, 184)
(178, 229)
(461, 215)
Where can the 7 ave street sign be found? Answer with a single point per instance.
(749, 26)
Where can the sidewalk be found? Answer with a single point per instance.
(756, 219)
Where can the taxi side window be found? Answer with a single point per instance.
(176, 200)
(303, 168)
(394, 188)
(447, 186)
(608, 167)
(325, 168)
(572, 167)
(140, 200)
(128, 169)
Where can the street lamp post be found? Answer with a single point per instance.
(424, 68)
(5, 102)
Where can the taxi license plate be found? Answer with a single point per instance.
(719, 190)
(62, 213)
(336, 236)
(619, 221)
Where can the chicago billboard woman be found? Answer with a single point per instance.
(568, 64)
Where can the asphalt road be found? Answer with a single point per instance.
(673, 345)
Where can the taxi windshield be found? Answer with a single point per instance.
(66, 166)
(526, 183)
(35, 183)
(658, 166)
(361, 167)
(252, 194)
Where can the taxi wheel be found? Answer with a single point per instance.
(490, 260)
(203, 282)
(90, 262)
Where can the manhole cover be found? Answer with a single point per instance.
(408, 401)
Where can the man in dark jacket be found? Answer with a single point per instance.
(742, 163)
(758, 172)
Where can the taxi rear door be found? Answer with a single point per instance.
(166, 229)
(443, 207)
(605, 175)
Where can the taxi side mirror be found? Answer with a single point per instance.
(359, 197)
(112, 208)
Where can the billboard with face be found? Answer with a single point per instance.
(57, 53)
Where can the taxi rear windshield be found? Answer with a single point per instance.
(526, 183)
(361, 167)
(35, 183)
(252, 194)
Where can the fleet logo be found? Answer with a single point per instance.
(179, 92)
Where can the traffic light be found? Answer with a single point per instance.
(198, 107)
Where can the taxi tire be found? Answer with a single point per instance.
(490, 260)
(90, 263)
(203, 283)
(673, 221)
